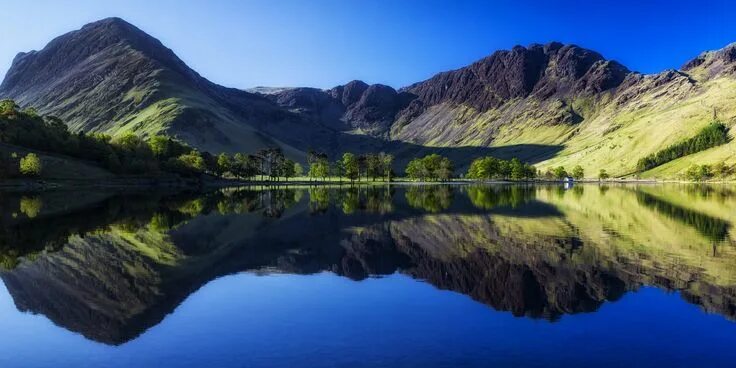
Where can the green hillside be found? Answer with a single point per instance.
(550, 105)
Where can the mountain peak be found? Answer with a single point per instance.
(714, 62)
(108, 42)
(544, 71)
(110, 23)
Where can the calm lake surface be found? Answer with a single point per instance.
(374, 276)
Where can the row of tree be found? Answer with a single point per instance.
(560, 173)
(125, 154)
(714, 134)
(485, 168)
(131, 154)
(430, 167)
(706, 172)
(268, 162)
(351, 166)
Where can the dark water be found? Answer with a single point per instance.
(419, 276)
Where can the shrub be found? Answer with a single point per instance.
(30, 165)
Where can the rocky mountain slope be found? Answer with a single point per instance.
(550, 104)
(113, 78)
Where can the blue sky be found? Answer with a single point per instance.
(323, 43)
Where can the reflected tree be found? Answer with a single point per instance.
(431, 198)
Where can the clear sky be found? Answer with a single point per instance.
(323, 43)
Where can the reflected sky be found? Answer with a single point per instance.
(370, 276)
(325, 321)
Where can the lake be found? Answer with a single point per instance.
(371, 276)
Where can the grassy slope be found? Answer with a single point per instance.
(61, 167)
(657, 111)
(168, 104)
(656, 121)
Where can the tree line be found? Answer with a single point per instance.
(351, 166)
(707, 172)
(715, 134)
(125, 154)
(131, 154)
(269, 163)
(494, 168)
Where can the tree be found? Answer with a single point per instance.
(350, 166)
(699, 173)
(30, 165)
(243, 166)
(517, 169)
(373, 166)
(270, 161)
(286, 169)
(192, 162)
(31, 206)
(362, 166)
(319, 168)
(722, 170)
(415, 169)
(432, 167)
(482, 168)
(337, 169)
(504, 169)
(224, 164)
(160, 146)
(530, 172)
(298, 169)
(714, 134)
(386, 163)
(603, 175)
(445, 170)
(8, 107)
(490, 167)
(577, 172)
(559, 172)
(31, 111)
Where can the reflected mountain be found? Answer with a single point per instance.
(110, 266)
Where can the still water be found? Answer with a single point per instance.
(375, 276)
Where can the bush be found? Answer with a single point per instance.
(30, 165)
(699, 173)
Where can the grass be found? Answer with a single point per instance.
(613, 136)
(60, 167)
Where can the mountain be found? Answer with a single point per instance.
(599, 113)
(551, 104)
(355, 106)
(112, 77)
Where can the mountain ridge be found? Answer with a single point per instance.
(111, 77)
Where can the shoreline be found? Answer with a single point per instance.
(173, 182)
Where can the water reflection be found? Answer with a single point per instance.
(110, 266)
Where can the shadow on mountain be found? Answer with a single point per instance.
(461, 156)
